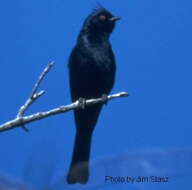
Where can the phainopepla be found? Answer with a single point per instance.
(91, 74)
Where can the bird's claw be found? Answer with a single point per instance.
(82, 103)
(104, 97)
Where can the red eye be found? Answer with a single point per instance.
(102, 17)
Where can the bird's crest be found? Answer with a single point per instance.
(98, 8)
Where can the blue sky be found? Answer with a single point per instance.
(152, 44)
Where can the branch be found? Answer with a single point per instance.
(21, 120)
(35, 95)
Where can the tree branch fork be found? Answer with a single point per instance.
(20, 120)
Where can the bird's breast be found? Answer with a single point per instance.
(92, 70)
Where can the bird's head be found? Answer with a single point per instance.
(100, 22)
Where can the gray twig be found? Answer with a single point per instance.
(35, 95)
(21, 120)
(41, 77)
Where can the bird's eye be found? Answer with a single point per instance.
(102, 17)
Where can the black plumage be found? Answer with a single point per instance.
(92, 74)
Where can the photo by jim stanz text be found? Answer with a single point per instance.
(136, 179)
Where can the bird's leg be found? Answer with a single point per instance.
(104, 97)
(82, 102)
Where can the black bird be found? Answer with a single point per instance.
(91, 75)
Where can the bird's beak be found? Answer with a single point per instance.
(114, 19)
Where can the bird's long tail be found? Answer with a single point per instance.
(79, 169)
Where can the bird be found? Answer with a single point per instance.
(92, 71)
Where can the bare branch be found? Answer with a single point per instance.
(21, 120)
(29, 101)
(34, 95)
(41, 77)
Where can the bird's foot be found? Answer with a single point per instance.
(82, 103)
(104, 97)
